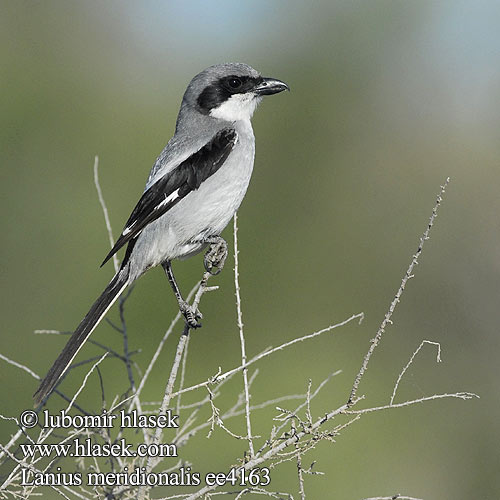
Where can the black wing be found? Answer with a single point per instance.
(171, 188)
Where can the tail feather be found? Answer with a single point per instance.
(81, 334)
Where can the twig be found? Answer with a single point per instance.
(44, 434)
(183, 375)
(104, 211)
(151, 364)
(242, 337)
(89, 341)
(393, 497)
(300, 474)
(116, 265)
(141, 492)
(459, 395)
(84, 383)
(184, 435)
(219, 377)
(308, 401)
(216, 420)
(22, 463)
(19, 365)
(278, 448)
(311, 397)
(303, 431)
(275, 451)
(126, 352)
(403, 371)
(173, 375)
(408, 275)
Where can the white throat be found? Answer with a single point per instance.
(237, 107)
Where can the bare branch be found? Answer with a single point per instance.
(278, 448)
(173, 375)
(458, 395)
(105, 211)
(393, 497)
(219, 377)
(19, 365)
(151, 364)
(300, 471)
(84, 383)
(408, 275)
(183, 375)
(242, 337)
(403, 371)
(294, 431)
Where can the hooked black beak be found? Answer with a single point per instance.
(270, 86)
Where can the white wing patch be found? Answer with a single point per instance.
(171, 197)
(128, 229)
(168, 199)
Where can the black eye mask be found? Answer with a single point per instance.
(220, 91)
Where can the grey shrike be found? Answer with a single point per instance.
(194, 189)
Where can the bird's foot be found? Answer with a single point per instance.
(191, 314)
(216, 255)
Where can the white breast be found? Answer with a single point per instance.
(203, 212)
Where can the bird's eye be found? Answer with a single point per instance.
(234, 83)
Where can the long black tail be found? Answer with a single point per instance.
(81, 334)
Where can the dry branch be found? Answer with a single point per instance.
(294, 432)
(408, 275)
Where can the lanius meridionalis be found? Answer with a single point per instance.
(193, 191)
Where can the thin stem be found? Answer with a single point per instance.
(242, 338)
(141, 493)
(408, 275)
(104, 211)
(219, 377)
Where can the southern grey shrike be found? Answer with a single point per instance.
(194, 189)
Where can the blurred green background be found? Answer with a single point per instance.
(388, 99)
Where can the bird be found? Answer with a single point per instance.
(193, 190)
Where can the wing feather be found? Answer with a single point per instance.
(167, 191)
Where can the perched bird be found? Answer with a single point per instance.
(194, 189)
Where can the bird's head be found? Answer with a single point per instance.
(229, 92)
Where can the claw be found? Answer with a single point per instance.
(191, 315)
(216, 256)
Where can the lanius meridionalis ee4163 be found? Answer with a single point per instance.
(194, 189)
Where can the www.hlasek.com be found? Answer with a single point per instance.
(139, 476)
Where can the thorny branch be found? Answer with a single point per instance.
(408, 275)
(202, 289)
(296, 432)
(393, 497)
(104, 208)
(217, 378)
(242, 337)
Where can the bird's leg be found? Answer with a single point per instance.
(191, 314)
(216, 255)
